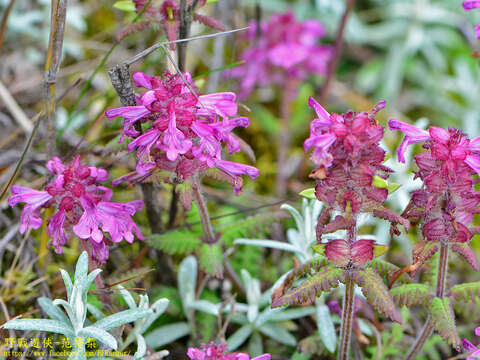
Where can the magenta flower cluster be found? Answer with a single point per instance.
(447, 202)
(470, 5)
(281, 49)
(474, 351)
(212, 351)
(347, 152)
(81, 205)
(186, 130)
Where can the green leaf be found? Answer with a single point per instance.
(410, 294)
(121, 318)
(376, 293)
(312, 287)
(443, 320)
(465, 292)
(239, 337)
(125, 5)
(211, 259)
(182, 241)
(308, 193)
(100, 335)
(141, 348)
(46, 325)
(167, 334)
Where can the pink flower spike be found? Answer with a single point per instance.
(470, 5)
(212, 351)
(412, 135)
(174, 141)
(87, 226)
(55, 230)
(236, 169)
(222, 103)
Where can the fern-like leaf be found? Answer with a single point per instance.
(387, 271)
(465, 292)
(181, 241)
(443, 320)
(311, 288)
(410, 294)
(422, 252)
(376, 293)
(467, 253)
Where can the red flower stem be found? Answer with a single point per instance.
(347, 320)
(440, 292)
(203, 210)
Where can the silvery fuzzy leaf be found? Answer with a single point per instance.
(266, 315)
(68, 283)
(141, 348)
(205, 306)
(187, 282)
(266, 243)
(100, 335)
(127, 297)
(52, 310)
(81, 270)
(68, 308)
(78, 354)
(325, 327)
(278, 333)
(239, 337)
(292, 314)
(297, 217)
(46, 325)
(158, 308)
(88, 282)
(96, 312)
(120, 318)
(167, 334)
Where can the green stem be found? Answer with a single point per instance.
(347, 320)
(440, 292)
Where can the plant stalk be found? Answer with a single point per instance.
(440, 292)
(203, 210)
(347, 320)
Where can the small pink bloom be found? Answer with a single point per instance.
(412, 135)
(212, 351)
(470, 5)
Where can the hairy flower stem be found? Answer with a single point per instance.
(440, 292)
(347, 319)
(104, 296)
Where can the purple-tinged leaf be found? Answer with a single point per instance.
(468, 292)
(376, 293)
(422, 252)
(467, 253)
(387, 271)
(410, 294)
(307, 291)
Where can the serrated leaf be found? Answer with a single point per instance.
(211, 259)
(125, 5)
(376, 293)
(100, 335)
(167, 334)
(121, 318)
(308, 193)
(464, 250)
(312, 287)
(387, 271)
(410, 294)
(465, 292)
(443, 320)
(46, 325)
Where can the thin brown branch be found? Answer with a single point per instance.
(52, 65)
(332, 66)
(3, 26)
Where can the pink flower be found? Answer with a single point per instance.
(212, 351)
(187, 129)
(474, 351)
(82, 206)
(412, 135)
(470, 5)
(286, 49)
